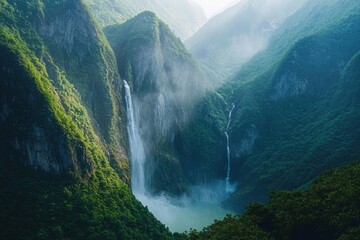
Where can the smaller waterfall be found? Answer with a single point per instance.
(228, 187)
(137, 152)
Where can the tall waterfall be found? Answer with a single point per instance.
(228, 187)
(179, 213)
(137, 152)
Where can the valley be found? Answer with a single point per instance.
(144, 120)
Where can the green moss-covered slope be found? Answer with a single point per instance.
(296, 114)
(63, 158)
(303, 108)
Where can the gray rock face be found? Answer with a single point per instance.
(29, 132)
(289, 85)
(41, 151)
(72, 31)
(4, 112)
(246, 146)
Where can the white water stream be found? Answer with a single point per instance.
(228, 187)
(137, 150)
(197, 209)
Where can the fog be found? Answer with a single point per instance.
(214, 7)
(159, 102)
(233, 37)
(183, 16)
(165, 91)
(161, 98)
(198, 208)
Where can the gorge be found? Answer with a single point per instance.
(195, 209)
(120, 123)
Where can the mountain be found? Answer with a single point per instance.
(63, 164)
(166, 83)
(76, 102)
(184, 17)
(296, 110)
(234, 36)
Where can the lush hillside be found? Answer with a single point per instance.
(303, 110)
(296, 104)
(234, 36)
(63, 139)
(166, 84)
(328, 209)
(64, 168)
(183, 16)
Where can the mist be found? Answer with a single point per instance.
(163, 87)
(234, 36)
(214, 7)
(197, 208)
(183, 16)
(160, 100)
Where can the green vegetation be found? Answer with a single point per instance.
(198, 144)
(63, 165)
(299, 123)
(296, 114)
(328, 209)
(166, 83)
(56, 180)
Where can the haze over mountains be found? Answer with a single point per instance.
(104, 109)
(184, 17)
(237, 34)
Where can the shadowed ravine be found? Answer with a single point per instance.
(199, 207)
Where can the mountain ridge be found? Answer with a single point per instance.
(183, 16)
(281, 98)
(234, 36)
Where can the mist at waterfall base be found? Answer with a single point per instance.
(197, 208)
(194, 210)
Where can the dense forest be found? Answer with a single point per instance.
(112, 126)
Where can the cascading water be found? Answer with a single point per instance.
(174, 212)
(228, 187)
(137, 152)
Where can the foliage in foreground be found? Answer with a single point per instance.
(329, 209)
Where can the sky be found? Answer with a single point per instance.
(212, 7)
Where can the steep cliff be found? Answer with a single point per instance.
(166, 84)
(63, 140)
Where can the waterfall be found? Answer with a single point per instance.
(198, 208)
(137, 152)
(228, 187)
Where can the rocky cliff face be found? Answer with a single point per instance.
(78, 49)
(166, 84)
(63, 163)
(28, 131)
(71, 30)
